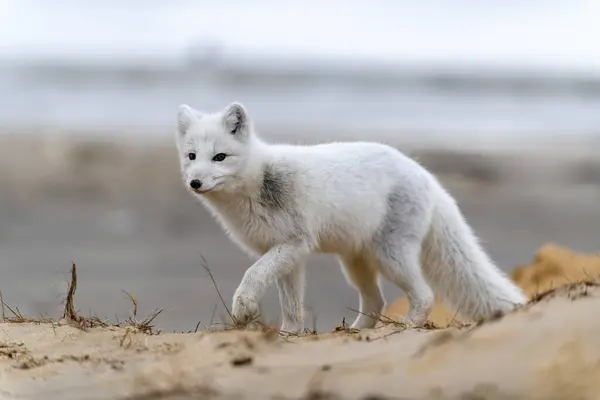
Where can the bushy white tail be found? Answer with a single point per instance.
(458, 269)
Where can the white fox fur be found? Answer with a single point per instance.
(377, 210)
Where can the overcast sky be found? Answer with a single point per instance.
(546, 33)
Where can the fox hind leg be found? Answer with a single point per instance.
(360, 273)
(397, 248)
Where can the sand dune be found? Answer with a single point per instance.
(545, 350)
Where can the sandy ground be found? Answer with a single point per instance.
(545, 350)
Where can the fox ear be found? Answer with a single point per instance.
(185, 116)
(235, 119)
(184, 119)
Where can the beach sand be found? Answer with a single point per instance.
(548, 349)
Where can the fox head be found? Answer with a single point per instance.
(214, 148)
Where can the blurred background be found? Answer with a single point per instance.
(500, 99)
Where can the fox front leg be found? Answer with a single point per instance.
(291, 300)
(276, 265)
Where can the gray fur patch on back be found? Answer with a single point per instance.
(404, 220)
(276, 192)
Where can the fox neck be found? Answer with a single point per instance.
(249, 184)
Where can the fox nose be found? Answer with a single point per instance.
(195, 184)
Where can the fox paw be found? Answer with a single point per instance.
(245, 310)
(291, 328)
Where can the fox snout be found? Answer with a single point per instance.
(200, 186)
(195, 184)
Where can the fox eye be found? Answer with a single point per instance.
(192, 156)
(219, 157)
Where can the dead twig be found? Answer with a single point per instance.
(70, 312)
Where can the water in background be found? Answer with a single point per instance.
(398, 100)
(132, 63)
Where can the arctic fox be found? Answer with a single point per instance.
(376, 209)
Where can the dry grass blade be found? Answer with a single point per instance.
(248, 321)
(16, 318)
(3, 311)
(345, 328)
(212, 278)
(133, 301)
(378, 317)
(144, 326)
(389, 321)
(73, 318)
(197, 326)
(212, 318)
(69, 313)
(453, 320)
(312, 331)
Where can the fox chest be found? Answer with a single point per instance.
(259, 226)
